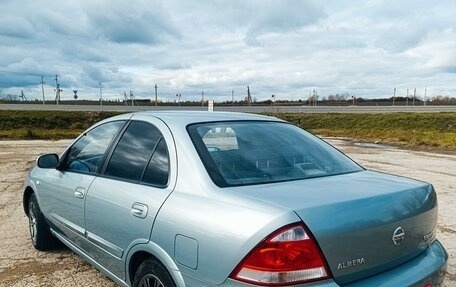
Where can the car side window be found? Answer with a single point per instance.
(139, 145)
(86, 154)
(157, 170)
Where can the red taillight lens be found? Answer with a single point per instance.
(288, 256)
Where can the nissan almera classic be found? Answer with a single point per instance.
(227, 199)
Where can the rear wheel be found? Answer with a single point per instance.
(42, 238)
(152, 273)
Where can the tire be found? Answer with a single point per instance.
(42, 238)
(152, 273)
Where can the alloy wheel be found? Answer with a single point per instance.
(32, 222)
(150, 281)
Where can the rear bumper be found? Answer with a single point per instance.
(427, 268)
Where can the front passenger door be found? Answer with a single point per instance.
(64, 190)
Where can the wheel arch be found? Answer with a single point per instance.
(141, 252)
(26, 197)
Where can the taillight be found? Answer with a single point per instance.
(288, 256)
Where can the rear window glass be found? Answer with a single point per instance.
(255, 152)
(220, 139)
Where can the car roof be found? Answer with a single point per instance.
(190, 117)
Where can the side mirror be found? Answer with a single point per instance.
(50, 160)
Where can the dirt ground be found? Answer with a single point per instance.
(21, 265)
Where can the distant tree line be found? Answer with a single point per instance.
(330, 100)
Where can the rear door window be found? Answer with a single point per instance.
(158, 168)
(140, 153)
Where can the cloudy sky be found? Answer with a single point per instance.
(283, 47)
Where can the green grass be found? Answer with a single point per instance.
(47, 124)
(437, 130)
(429, 130)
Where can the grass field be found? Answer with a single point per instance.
(430, 130)
(47, 124)
(435, 130)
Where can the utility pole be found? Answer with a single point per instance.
(42, 89)
(156, 95)
(273, 102)
(425, 92)
(394, 95)
(22, 96)
(406, 99)
(249, 99)
(414, 96)
(232, 97)
(101, 97)
(179, 98)
(315, 97)
(57, 90)
(202, 98)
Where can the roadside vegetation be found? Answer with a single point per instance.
(422, 130)
(47, 125)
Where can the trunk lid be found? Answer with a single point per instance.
(364, 222)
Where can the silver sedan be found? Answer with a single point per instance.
(226, 199)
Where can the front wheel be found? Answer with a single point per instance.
(42, 238)
(152, 273)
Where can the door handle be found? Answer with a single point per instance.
(79, 192)
(139, 210)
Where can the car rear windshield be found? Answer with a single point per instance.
(256, 152)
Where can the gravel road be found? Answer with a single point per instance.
(21, 265)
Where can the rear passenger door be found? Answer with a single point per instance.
(122, 203)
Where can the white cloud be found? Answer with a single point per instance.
(141, 21)
(12, 26)
(285, 47)
(438, 51)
